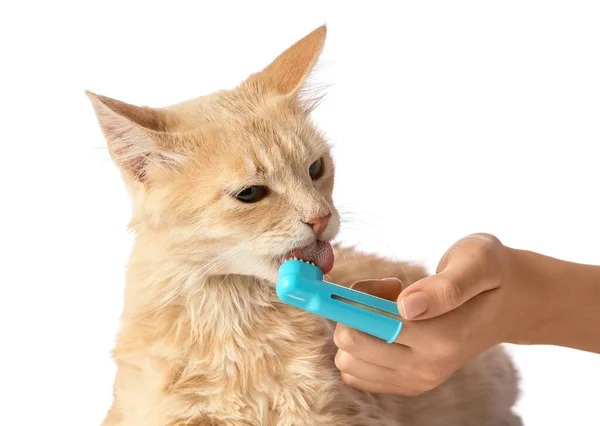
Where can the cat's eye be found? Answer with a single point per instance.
(252, 194)
(316, 169)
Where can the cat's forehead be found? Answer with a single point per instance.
(246, 137)
(267, 136)
(263, 147)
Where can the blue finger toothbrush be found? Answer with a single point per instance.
(301, 284)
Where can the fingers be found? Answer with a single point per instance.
(369, 348)
(370, 377)
(388, 288)
(369, 386)
(466, 270)
(349, 364)
(373, 365)
(404, 388)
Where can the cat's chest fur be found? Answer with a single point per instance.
(231, 353)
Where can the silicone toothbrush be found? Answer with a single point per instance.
(301, 284)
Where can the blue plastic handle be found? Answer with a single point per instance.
(301, 284)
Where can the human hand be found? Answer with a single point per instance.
(468, 306)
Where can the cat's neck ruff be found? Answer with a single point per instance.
(159, 286)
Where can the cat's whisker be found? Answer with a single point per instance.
(344, 256)
(357, 219)
(217, 262)
(205, 271)
(343, 210)
(377, 231)
(223, 280)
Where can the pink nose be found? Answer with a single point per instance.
(319, 224)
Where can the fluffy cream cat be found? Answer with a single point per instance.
(224, 187)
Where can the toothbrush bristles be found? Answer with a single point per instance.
(310, 262)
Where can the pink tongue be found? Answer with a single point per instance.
(319, 253)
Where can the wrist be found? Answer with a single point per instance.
(534, 298)
(555, 300)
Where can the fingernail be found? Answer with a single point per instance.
(413, 305)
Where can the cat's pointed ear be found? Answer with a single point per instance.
(135, 135)
(287, 73)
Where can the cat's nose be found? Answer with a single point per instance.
(318, 224)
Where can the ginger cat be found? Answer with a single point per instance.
(224, 188)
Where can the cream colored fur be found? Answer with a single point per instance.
(204, 339)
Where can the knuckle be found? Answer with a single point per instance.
(478, 245)
(397, 379)
(487, 248)
(414, 391)
(341, 360)
(344, 338)
(431, 378)
(484, 250)
(426, 387)
(489, 239)
(489, 255)
(450, 292)
(446, 348)
(347, 379)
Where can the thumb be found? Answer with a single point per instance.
(465, 271)
(430, 297)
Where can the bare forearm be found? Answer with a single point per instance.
(561, 302)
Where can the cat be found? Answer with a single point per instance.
(224, 188)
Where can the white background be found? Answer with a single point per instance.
(448, 118)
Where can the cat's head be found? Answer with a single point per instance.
(237, 180)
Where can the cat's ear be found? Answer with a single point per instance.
(287, 73)
(136, 136)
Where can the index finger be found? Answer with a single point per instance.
(387, 288)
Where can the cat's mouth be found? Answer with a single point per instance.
(320, 253)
